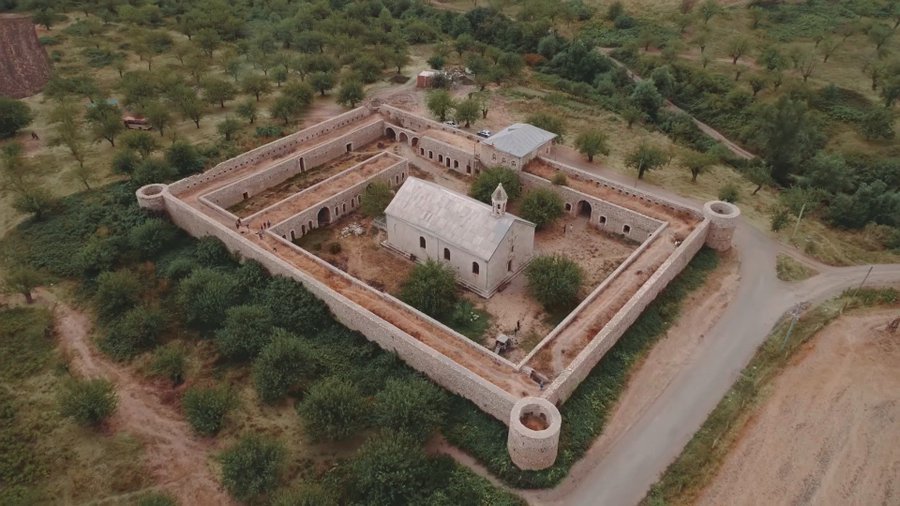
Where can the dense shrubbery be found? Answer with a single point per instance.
(281, 366)
(485, 183)
(431, 288)
(251, 468)
(206, 408)
(333, 409)
(88, 402)
(554, 281)
(542, 206)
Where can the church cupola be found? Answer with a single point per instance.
(498, 201)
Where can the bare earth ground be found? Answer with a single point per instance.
(172, 455)
(830, 431)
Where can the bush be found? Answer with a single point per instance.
(541, 206)
(554, 281)
(294, 308)
(14, 116)
(206, 407)
(252, 467)
(156, 499)
(97, 255)
(877, 123)
(88, 402)
(780, 219)
(388, 470)
(334, 248)
(333, 409)
(376, 199)
(412, 406)
(281, 365)
(307, 494)
(184, 158)
(485, 183)
(559, 179)
(729, 193)
(550, 123)
(136, 331)
(151, 238)
(431, 288)
(246, 331)
(116, 293)
(125, 161)
(205, 295)
(212, 253)
(269, 131)
(152, 170)
(170, 362)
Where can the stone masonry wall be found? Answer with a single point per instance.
(487, 396)
(273, 149)
(417, 123)
(447, 155)
(233, 193)
(604, 215)
(572, 376)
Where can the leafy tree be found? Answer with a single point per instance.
(350, 93)
(631, 114)
(871, 202)
(554, 281)
(116, 293)
(184, 158)
(135, 331)
(19, 179)
(22, 280)
(256, 85)
(88, 402)
(440, 103)
(152, 170)
(247, 110)
(647, 99)
(436, 62)
(729, 193)
(890, 86)
(646, 158)
(785, 134)
(207, 40)
(68, 130)
(158, 116)
(486, 182)
(759, 174)
(550, 123)
(106, 121)
(204, 297)
(252, 467)
(877, 123)
(322, 81)
(376, 199)
(218, 91)
(205, 408)
(806, 63)
(738, 47)
(333, 409)
(541, 206)
(139, 141)
(879, 34)
(697, 163)
(14, 116)
(827, 172)
(294, 308)
(592, 142)
(389, 469)
(190, 106)
(246, 331)
(709, 9)
(467, 111)
(228, 127)
(413, 406)
(281, 366)
(170, 361)
(431, 288)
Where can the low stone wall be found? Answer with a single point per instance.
(415, 123)
(249, 186)
(572, 376)
(271, 150)
(624, 190)
(446, 154)
(487, 396)
(604, 215)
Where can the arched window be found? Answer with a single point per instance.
(509, 266)
(422, 242)
(475, 268)
(626, 229)
(446, 254)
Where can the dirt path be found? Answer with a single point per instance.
(829, 433)
(177, 460)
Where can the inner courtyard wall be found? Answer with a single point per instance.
(444, 154)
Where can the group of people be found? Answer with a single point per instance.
(265, 225)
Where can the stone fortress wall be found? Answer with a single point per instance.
(530, 450)
(448, 155)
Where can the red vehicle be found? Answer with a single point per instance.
(136, 123)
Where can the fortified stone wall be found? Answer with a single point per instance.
(572, 376)
(624, 190)
(487, 396)
(271, 150)
(340, 204)
(249, 186)
(604, 215)
(418, 123)
(447, 155)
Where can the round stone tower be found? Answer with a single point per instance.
(150, 197)
(533, 439)
(723, 217)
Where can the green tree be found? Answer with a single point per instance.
(190, 106)
(879, 34)
(246, 331)
(22, 280)
(207, 40)
(281, 366)
(413, 406)
(66, 118)
(14, 116)
(138, 330)
(184, 158)
(554, 281)
(645, 158)
(20, 180)
(205, 408)
(106, 121)
(486, 182)
(877, 123)
(139, 141)
(647, 99)
(541, 206)
(116, 293)
(322, 81)
(709, 9)
(467, 111)
(376, 199)
(591, 142)
(158, 116)
(247, 110)
(440, 103)
(785, 134)
(332, 409)
(697, 163)
(256, 85)
(252, 467)
(550, 123)
(228, 127)
(294, 308)
(389, 469)
(431, 288)
(738, 47)
(204, 297)
(350, 93)
(88, 402)
(218, 91)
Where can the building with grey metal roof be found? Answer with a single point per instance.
(515, 145)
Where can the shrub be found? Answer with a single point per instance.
(541, 206)
(137, 330)
(14, 115)
(307, 494)
(151, 238)
(156, 499)
(152, 170)
(550, 123)
(205, 295)
(412, 406)
(98, 255)
(780, 218)
(125, 161)
(247, 329)
(877, 123)
(184, 158)
(88, 402)
(376, 199)
(170, 362)
(389, 469)
(431, 288)
(294, 308)
(206, 407)
(212, 253)
(554, 281)
(729, 193)
(485, 183)
(116, 293)
(333, 409)
(269, 131)
(252, 467)
(281, 365)
(334, 248)
(559, 179)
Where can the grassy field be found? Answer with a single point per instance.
(789, 269)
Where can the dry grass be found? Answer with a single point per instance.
(789, 269)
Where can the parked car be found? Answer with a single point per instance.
(136, 123)
(452, 123)
(485, 133)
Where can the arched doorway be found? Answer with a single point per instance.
(403, 137)
(324, 216)
(414, 142)
(390, 133)
(584, 209)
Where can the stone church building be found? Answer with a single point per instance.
(484, 244)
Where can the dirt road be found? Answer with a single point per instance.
(178, 461)
(828, 434)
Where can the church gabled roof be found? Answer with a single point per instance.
(456, 219)
(519, 139)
